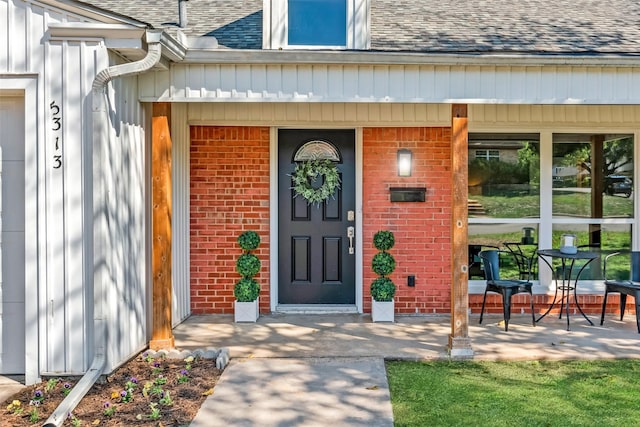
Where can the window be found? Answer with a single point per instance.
(587, 189)
(592, 176)
(488, 154)
(317, 22)
(504, 176)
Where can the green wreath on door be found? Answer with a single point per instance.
(307, 172)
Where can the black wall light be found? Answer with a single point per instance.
(404, 162)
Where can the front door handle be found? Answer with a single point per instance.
(351, 233)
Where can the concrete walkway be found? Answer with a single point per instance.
(10, 386)
(319, 370)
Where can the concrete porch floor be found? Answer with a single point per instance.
(410, 337)
(328, 369)
(290, 370)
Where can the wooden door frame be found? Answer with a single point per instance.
(273, 216)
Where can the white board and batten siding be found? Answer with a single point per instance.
(180, 218)
(64, 69)
(551, 84)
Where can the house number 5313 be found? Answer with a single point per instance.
(56, 128)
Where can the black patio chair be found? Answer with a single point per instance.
(495, 260)
(523, 252)
(476, 271)
(623, 287)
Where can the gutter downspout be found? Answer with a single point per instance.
(100, 228)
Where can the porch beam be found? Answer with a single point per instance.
(162, 334)
(459, 341)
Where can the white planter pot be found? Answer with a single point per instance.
(382, 311)
(246, 311)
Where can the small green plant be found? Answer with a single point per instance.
(157, 368)
(156, 390)
(383, 264)
(66, 389)
(160, 380)
(146, 389)
(188, 361)
(147, 357)
(34, 416)
(183, 377)
(38, 397)
(51, 384)
(15, 407)
(108, 409)
(132, 383)
(165, 399)
(126, 395)
(155, 412)
(74, 420)
(247, 289)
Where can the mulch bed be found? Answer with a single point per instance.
(163, 392)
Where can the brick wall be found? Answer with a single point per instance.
(422, 230)
(591, 305)
(229, 194)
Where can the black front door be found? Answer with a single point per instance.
(316, 258)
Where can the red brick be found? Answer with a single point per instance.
(421, 229)
(229, 194)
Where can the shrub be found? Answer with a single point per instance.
(249, 240)
(383, 264)
(248, 265)
(383, 240)
(246, 290)
(383, 289)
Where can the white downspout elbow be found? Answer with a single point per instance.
(100, 116)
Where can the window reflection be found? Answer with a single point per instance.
(504, 175)
(515, 237)
(592, 176)
(602, 238)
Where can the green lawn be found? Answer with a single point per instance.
(565, 204)
(545, 393)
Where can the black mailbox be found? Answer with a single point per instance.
(408, 194)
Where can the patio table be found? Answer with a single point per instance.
(566, 284)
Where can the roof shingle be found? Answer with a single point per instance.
(441, 26)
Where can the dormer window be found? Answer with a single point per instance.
(316, 24)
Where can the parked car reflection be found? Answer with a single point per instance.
(618, 184)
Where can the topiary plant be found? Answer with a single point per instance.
(248, 265)
(249, 240)
(246, 290)
(383, 264)
(383, 288)
(383, 240)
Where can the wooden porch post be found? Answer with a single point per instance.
(597, 187)
(162, 335)
(459, 341)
